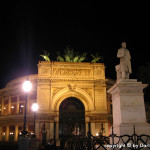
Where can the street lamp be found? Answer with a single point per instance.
(35, 108)
(27, 86)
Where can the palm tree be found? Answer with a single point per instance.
(71, 56)
(45, 56)
(96, 58)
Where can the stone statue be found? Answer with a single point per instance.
(124, 68)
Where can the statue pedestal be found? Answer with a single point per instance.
(129, 108)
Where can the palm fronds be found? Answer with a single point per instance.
(71, 56)
(96, 58)
(45, 56)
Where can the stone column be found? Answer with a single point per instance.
(9, 106)
(129, 108)
(17, 109)
(2, 106)
(87, 122)
(16, 133)
(0, 134)
(7, 134)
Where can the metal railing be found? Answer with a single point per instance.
(111, 142)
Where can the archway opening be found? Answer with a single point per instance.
(71, 119)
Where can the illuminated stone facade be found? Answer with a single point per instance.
(55, 82)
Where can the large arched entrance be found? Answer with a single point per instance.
(71, 119)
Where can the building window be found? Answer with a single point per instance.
(20, 128)
(3, 133)
(11, 133)
(21, 108)
(13, 109)
(30, 129)
(12, 129)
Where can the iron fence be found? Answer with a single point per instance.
(111, 142)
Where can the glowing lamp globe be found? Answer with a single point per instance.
(35, 107)
(27, 86)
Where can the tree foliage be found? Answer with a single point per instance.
(71, 56)
(45, 56)
(96, 58)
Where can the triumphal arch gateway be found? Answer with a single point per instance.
(71, 97)
(70, 89)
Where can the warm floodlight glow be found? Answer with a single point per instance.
(27, 86)
(11, 133)
(97, 134)
(35, 107)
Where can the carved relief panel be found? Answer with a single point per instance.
(71, 72)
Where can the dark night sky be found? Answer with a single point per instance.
(28, 28)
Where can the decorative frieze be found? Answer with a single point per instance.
(71, 72)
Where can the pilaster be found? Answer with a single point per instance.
(17, 109)
(43, 95)
(9, 105)
(7, 134)
(16, 133)
(51, 130)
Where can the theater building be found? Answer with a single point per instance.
(72, 99)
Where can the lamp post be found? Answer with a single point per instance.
(27, 86)
(35, 107)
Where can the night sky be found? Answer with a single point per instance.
(28, 28)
